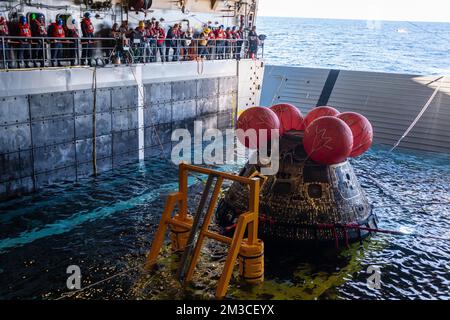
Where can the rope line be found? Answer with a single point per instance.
(141, 92)
(94, 123)
(411, 126)
(70, 294)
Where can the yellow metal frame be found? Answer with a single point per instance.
(247, 221)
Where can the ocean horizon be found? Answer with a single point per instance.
(420, 48)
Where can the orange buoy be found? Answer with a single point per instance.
(260, 119)
(328, 140)
(290, 117)
(361, 129)
(318, 112)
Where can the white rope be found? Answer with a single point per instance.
(70, 294)
(141, 92)
(411, 126)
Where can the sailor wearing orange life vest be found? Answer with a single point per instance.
(57, 32)
(220, 42)
(4, 32)
(25, 42)
(87, 29)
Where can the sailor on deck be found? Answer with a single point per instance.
(87, 29)
(57, 44)
(39, 30)
(25, 42)
(4, 32)
(253, 42)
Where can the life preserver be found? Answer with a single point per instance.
(24, 30)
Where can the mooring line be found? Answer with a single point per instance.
(411, 126)
(70, 294)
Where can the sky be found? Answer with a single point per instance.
(401, 10)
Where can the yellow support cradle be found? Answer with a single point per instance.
(182, 221)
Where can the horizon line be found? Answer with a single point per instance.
(358, 19)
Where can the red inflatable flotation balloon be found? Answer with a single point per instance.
(290, 117)
(257, 118)
(362, 132)
(318, 112)
(328, 140)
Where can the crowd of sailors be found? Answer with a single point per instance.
(148, 42)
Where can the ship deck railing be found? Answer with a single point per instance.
(45, 52)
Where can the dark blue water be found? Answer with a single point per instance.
(398, 47)
(105, 225)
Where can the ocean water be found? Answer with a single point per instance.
(384, 46)
(105, 226)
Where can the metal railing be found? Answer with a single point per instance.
(43, 52)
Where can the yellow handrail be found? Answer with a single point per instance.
(247, 221)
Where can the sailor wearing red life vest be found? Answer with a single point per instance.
(151, 38)
(4, 32)
(87, 29)
(39, 30)
(160, 36)
(57, 32)
(228, 43)
(211, 44)
(25, 42)
(220, 43)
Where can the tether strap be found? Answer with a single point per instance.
(328, 88)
